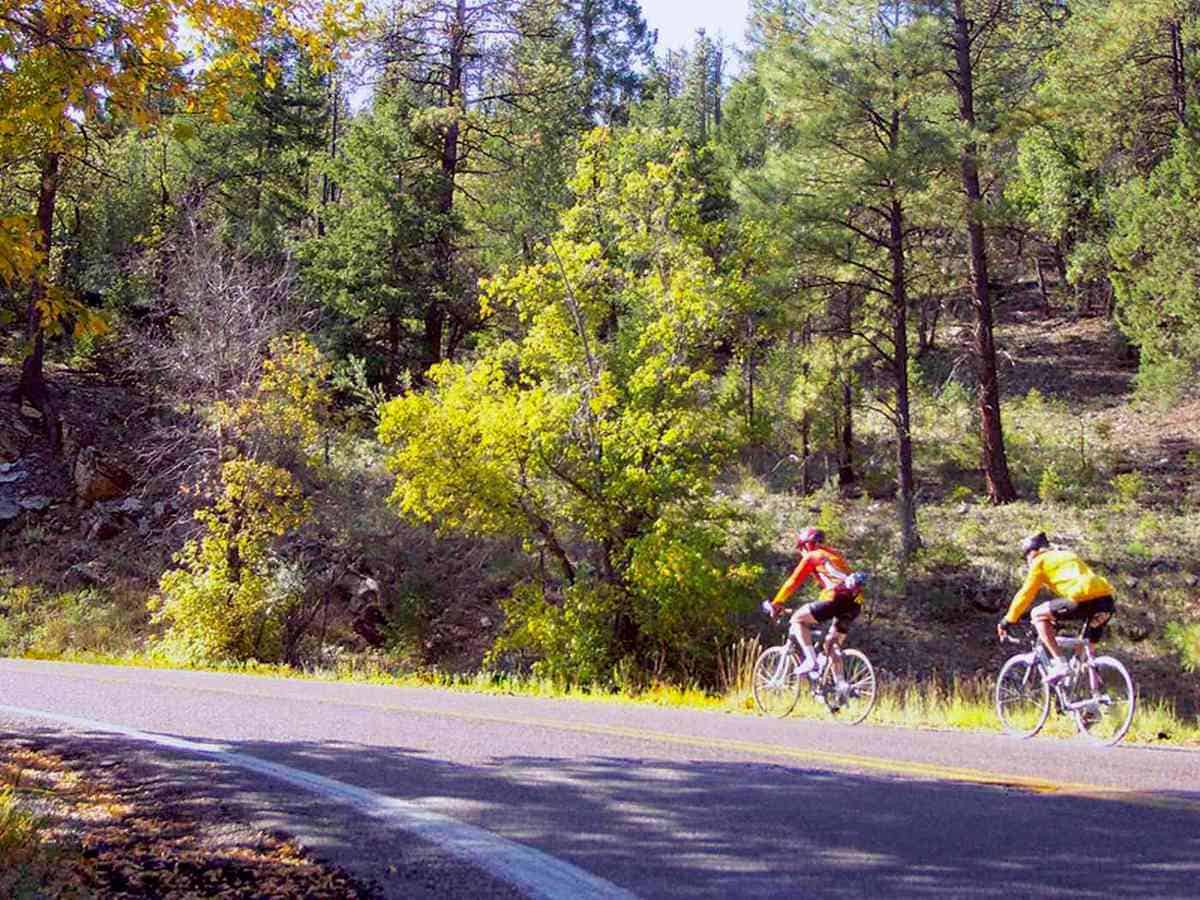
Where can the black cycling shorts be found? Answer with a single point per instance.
(1097, 612)
(843, 609)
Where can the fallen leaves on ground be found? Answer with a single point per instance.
(110, 829)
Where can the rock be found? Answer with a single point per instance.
(36, 502)
(132, 506)
(30, 412)
(8, 510)
(485, 622)
(97, 478)
(12, 475)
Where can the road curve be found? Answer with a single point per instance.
(680, 803)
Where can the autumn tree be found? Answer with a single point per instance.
(594, 431)
(71, 73)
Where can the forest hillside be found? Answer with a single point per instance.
(433, 337)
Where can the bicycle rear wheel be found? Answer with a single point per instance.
(1022, 697)
(853, 702)
(1109, 699)
(775, 685)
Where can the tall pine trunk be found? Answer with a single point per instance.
(906, 502)
(435, 312)
(995, 461)
(846, 474)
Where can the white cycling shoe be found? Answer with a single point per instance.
(1058, 671)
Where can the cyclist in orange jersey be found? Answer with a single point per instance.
(1082, 594)
(840, 598)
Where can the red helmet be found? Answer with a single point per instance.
(809, 535)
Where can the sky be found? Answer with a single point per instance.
(677, 20)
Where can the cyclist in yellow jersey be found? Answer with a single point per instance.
(1082, 594)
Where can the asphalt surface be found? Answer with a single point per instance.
(678, 803)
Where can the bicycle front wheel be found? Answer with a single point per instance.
(1022, 697)
(776, 686)
(1106, 699)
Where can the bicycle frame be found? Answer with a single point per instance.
(817, 675)
(1081, 658)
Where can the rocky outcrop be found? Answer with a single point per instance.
(98, 477)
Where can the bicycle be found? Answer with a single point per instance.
(1098, 694)
(776, 684)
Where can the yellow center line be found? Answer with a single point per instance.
(845, 760)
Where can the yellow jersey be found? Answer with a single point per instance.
(1064, 573)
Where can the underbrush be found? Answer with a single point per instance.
(39, 622)
(25, 862)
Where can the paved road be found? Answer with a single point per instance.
(677, 803)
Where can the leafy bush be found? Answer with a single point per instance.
(1186, 640)
(220, 603)
(1052, 486)
(1127, 487)
(678, 609)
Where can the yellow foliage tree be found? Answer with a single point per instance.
(74, 70)
(219, 602)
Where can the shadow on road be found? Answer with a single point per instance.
(722, 829)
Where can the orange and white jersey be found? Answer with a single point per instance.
(825, 564)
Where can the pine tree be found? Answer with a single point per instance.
(858, 150)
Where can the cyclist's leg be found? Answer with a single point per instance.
(806, 617)
(1044, 617)
(1100, 611)
(847, 611)
(801, 630)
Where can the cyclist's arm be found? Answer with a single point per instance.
(802, 571)
(1034, 582)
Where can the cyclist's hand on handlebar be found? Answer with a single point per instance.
(1002, 631)
(770, 609)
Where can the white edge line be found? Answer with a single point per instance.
(535, 872)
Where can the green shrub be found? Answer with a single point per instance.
(679, 606)
(1052, 486)
(1185, 638)
(1163, 382)
(569, 640)
(81, 620)
(961, 494)
(1127, 488)
(223, 601)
